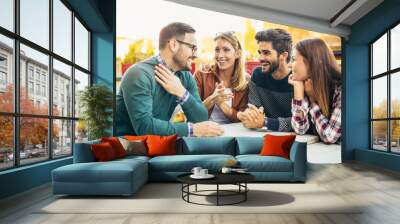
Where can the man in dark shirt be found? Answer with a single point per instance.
(270, 94)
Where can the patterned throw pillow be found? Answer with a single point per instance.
(135, 147)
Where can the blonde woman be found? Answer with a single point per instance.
(223, 88)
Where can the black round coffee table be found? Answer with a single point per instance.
(238, 179)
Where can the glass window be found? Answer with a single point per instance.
(395, 95)
(81, 131)
(81, 81)
(62, 138)
(6, 142)
(40, 62)
(30, 87)
(62, 72)
(6, 74)
(33, 140)
(7, 14)
(81, 45)
(34, 21)
(379, 135)
(62, 29)
(395, 47)
(379, 56)
(395, 136)
(379, 98)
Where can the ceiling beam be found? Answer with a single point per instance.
(269, 15)
(346, 12)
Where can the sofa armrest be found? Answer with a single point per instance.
(83, 152)
(298, 155)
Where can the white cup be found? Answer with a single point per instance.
(226, 170)
(196, 170)
(203, 172)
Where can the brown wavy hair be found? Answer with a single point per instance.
(238, 81)
(324, 72)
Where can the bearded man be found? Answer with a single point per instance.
(151, 90)
(270, 94)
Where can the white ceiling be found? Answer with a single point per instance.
(313, 15)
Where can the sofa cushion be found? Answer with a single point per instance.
(277, 145)
(207, 145)
(257, 163)
(249, 145)
(83, 152)
(116, 145)
(112, 171)
(161, 145)
(103, 152)
(135, 147)
(185, 163)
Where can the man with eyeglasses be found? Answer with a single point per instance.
(151, 90)
(270, 94)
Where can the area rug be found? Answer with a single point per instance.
(167, 198)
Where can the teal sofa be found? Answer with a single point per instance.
(125, 176)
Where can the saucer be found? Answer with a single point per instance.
(208, 176)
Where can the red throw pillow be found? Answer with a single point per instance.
(103, 152)
(135, 138)
(116, 145)
(161, 145)
(277, 145)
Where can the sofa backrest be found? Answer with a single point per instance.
(249, 145)
(83, 152)
(206, 145)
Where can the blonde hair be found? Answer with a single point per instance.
(239, 79)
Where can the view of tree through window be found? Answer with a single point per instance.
(43, 113)
(385, 96)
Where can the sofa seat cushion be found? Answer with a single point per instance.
(185, 163)
(113, 171)
(257, 163)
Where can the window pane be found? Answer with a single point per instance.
(34, 72)
(395, 94)
(62, 138)
(62, 29)
(81, 81)
(395, 138)
(7, 14)
(395, 47)
(379, 135)
(379, 55)
(6, 142)
(62, 89)
(6, 74)
(33, 140)
(81, 131)
(81, 45)
(35, 21)
(379, 97)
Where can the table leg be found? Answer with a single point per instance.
(217, 194)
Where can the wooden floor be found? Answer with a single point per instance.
(377, 188)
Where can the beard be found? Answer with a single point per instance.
(273, 66)
(180, 62)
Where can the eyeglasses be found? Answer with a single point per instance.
(192, 46)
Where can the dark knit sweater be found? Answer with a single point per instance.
(276, 98)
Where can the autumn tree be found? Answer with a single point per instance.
(33, 131)
(138, 51)
(250, 43)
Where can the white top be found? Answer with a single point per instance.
(217, 115)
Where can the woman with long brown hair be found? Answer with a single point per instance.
(316, 79)
(223, 88)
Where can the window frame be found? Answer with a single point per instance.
(388, 74)
(16, 115)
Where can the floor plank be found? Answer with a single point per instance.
(377, 190)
